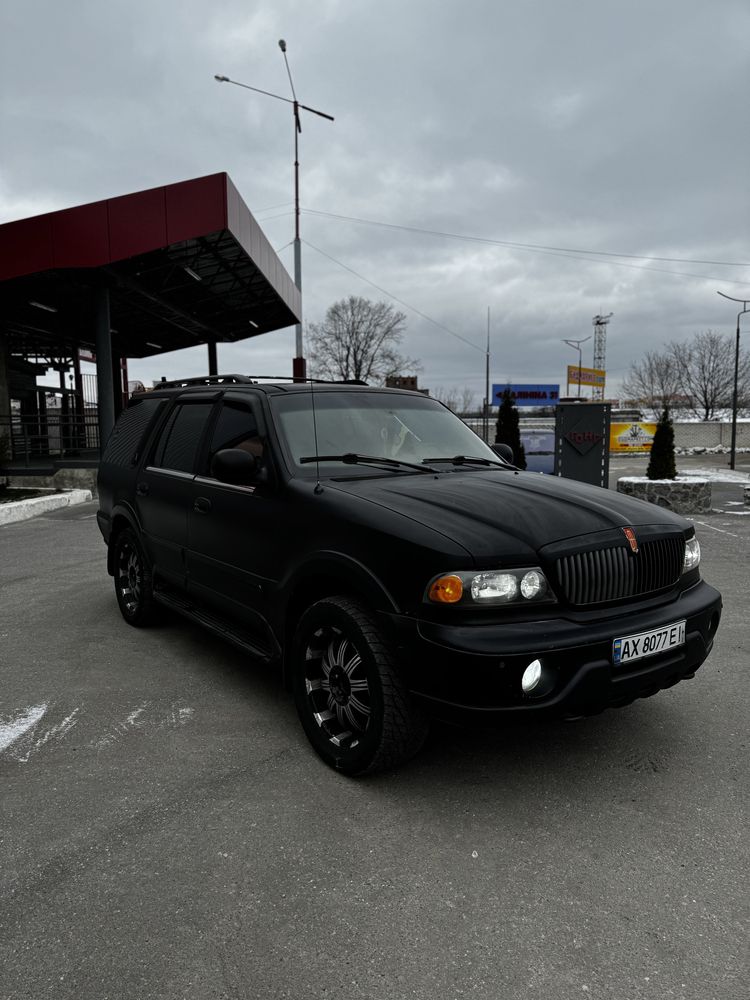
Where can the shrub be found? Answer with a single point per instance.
(661, 464)
(507, 430)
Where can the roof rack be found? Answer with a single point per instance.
(183, 383)
(179, 383)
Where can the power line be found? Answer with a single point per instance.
(270, 208)
(281, 215)
(395, 297)
(534, 247)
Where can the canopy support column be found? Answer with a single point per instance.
(104, 372)
(5, 435)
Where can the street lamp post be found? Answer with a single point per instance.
(742, 311)
(576, 345)
(299, 367)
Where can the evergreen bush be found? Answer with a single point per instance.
(507, 430)
(661, 464)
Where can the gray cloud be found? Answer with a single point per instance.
(589, 125)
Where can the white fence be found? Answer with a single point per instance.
(710, 434)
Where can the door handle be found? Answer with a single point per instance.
(141, 489)
(202, 505)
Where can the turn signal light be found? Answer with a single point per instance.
(447, 589)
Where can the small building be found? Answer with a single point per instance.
(405, 382)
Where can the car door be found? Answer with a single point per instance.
(163, 487)
(230, 527)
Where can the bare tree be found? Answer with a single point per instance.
(468, 402)
(705, 367)
(461, 401)
(358, 340)
(654, 381)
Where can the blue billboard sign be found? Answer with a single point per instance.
(528, 395)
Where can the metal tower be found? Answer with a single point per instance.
(600, 350)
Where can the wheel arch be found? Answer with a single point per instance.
(327, 574)
(122, 517)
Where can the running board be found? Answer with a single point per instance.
(219, 626)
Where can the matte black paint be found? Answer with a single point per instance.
(257, 555)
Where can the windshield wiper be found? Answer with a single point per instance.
(354, 458)
(466, 460)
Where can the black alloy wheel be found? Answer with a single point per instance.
(350, 696)
(133, 582)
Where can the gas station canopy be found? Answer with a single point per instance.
(183, 264)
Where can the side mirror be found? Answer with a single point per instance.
(233, 465)
(504, 451)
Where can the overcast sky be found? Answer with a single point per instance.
(591, 125)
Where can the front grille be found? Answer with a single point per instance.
(614, 573)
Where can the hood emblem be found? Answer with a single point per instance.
(632, 540)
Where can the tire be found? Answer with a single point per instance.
(133, 580)
(351, 699)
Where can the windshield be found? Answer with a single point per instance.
(376, 424)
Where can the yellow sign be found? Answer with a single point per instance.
(589, 376)
(631, 437)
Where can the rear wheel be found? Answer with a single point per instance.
(350, 696)
(133, 581)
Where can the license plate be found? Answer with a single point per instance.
(635, 647)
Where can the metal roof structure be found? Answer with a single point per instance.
(184, 264)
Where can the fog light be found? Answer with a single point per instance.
(531, 676)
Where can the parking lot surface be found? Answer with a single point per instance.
(167, 832)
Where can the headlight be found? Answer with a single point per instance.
(692, 554)
(490, 587)
(494, 587)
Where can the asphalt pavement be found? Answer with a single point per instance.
(167, 833)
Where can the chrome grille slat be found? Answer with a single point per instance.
(599, 576)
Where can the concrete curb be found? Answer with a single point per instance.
(22, 510)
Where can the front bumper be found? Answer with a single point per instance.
(472, 673)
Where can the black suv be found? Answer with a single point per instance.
(391, 563)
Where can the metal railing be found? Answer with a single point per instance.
(51, 435)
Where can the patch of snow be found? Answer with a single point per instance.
(696, 476)
(716, 475)
(132, 719)
(12, 731)
(717, 449)
(56, 732)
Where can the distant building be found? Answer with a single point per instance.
(405, 382)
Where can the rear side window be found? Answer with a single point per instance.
(181, 438)
(126, 440)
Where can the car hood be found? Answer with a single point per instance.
(498, 512)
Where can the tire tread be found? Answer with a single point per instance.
(404, 726)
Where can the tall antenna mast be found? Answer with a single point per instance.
(487, 399)
(600, 350)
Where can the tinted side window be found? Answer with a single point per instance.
(181, 438)
(126, 438)
(236, 427)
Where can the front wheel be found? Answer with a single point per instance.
(133, 581)
(350, 696)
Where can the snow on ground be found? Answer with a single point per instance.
(714, 475)
(718, 449)
(25, 720)
(691, 475)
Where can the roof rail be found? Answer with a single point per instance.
(179, 383)
(182, 383)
